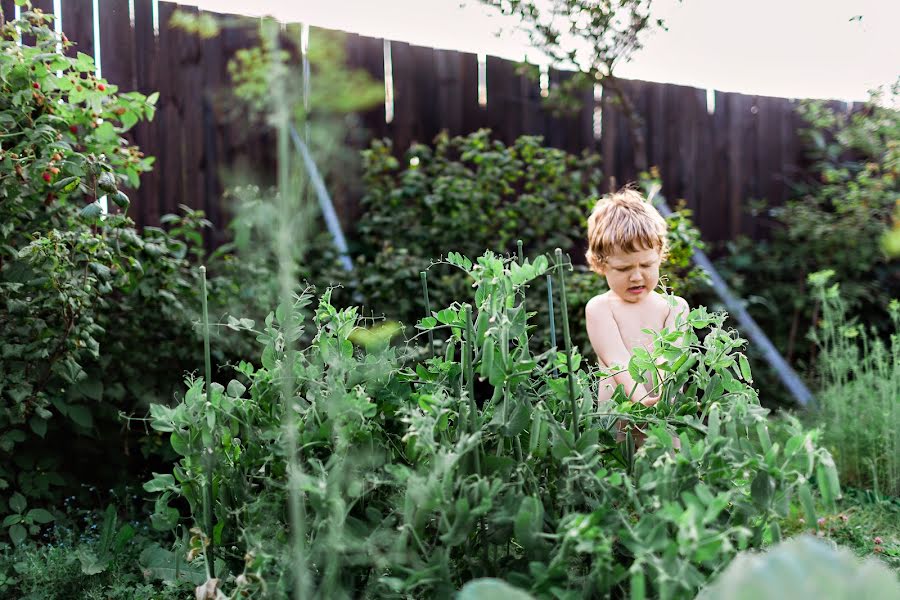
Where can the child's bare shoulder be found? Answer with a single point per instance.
(598, 304)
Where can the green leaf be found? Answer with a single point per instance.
(161, 564)
(91, 211)
(121, 200)
(12, 520)
(90, 564)
(17, 534)
(38, 425)
(745, 368)
(81, 415)
(160, 482)
(18, 503)
(236, 389)
(66, 184)
(39, 515)
(529, 522)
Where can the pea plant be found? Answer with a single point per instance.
(481, 458)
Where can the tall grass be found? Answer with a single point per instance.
(859, 393)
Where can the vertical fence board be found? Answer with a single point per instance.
(117, 44)
(9, 8)
(78, 25)
(146, 135)
(449, 72)
(367, 54)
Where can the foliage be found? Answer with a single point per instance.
(483, 460)
(594, 37)
(859, 379)
(836, 222)
(470, 193)
(865, 522)
(101, 559)
(95, 318)
(802, 567)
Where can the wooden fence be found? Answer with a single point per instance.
(718, 158)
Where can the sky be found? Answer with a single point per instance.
(786, 48)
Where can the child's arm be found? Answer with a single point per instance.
(607, 343)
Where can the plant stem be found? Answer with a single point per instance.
(209, 453)
(567, 338)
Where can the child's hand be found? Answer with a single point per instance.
(650, 400)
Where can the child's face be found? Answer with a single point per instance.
(632, 275)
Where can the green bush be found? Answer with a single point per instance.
(838, 220)
(96, 557)
(859, 391)
(483, 460)
(466, 194)
(95, 318)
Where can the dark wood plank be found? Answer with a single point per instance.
(367, 54)
(402, 127)
(78, 25)
(8, 7)
(117, 42)
(168, 118)
(146, 135)
(474, 115)
(718, 184)
(426, 122)
(448, 68)
(534, 116)
(503, 109)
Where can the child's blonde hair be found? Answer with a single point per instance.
(624, 221)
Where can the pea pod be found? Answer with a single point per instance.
(763, 432)
(535, 431)
(487, 357)
(638, 585)
(806, 500)
(713, 422)
(450, 351)
(775, 530)
(687, 408)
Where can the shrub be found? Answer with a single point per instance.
(838, 221)
(859, 379)
(472, 193)
(95, 318)
(485, 459)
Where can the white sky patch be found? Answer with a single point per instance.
(791, 49)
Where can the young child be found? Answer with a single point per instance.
(626, 244)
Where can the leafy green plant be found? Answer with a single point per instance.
(484, 459)
(96, 317)
(841, 213)
(473, 193)
(859, 376)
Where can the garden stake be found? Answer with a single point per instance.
(552, 316)
(564, 308)
(208, 491)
